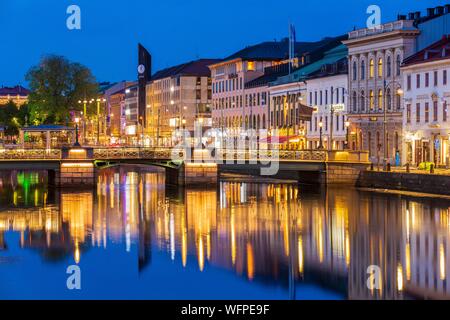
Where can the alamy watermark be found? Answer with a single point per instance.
(74, 280)
(73, 22)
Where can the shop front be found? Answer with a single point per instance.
(428, 147)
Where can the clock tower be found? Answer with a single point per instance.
(144, 70)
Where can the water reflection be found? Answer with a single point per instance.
(272, 237)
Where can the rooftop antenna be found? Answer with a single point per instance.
(291, 45)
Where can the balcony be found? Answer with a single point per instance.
(384, 28)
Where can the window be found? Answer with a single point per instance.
(398, 63)
(427, 80)
(408, 82)
(388, 66)
(418, 81)
(389, 99)
(435, 78)
(371, 68)
(363, 70)
(427, 112)
(250, 66)
(444, 112)
(380, 68)
(418, 112)
(354, 101)
(408, 113)
(310, 99)
(371, 100)
(444, 77)
(355, 71)
(398, 101)
(380, 99)
(435, 111)
(363, 101)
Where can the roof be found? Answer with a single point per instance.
(47, 127)
(276, 50)
(270, 74)
(14, 91)
(331, 57)
(197, 68)
(439, 50)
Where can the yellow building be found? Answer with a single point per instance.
(17, 94)
(178, 98)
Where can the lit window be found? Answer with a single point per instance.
(251, 66)
(372, 68)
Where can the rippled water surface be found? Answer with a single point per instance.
(133, 238)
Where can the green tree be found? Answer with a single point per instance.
(13, 117)
(56, 86)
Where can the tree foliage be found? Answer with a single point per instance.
(13, 118)
(57, 85)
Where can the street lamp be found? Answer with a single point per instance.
(320, 132)
(347, 139)
(77, 143)
(399, 91)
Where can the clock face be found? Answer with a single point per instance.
(141, 69)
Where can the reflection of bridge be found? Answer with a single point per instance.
(201, 166)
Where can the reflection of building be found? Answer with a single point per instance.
(376, 241)
(426, 254)
(17, 94)
(178, 98)
(427, 94)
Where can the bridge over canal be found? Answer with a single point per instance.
(77, 166)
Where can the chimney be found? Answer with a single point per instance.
(447, 8)
(430, 12)
(417, 15)
(439, 10)
(411, 16)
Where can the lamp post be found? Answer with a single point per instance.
(385, 142)
(320, 137)
(347, 138)
(77, 143)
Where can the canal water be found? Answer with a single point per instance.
(133, 238)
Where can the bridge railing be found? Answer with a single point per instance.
(272, 155)
(132, 153)
(30, 154)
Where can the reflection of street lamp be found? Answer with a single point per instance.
(320, 132)
(347, 141)
(77, 144)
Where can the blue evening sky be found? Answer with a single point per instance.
(174, 31)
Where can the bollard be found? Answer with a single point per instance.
(432, 168)
(371, 167)
(388, 167)
(408, 169)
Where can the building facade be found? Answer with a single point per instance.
(320, 85)
(241, 85)
(375, 87)
(179, 98)
(427, 96)
(133, 125)
(17, 94)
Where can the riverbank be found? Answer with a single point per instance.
(414, 182)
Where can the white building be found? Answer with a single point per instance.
(427, 94)
(375, 85)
